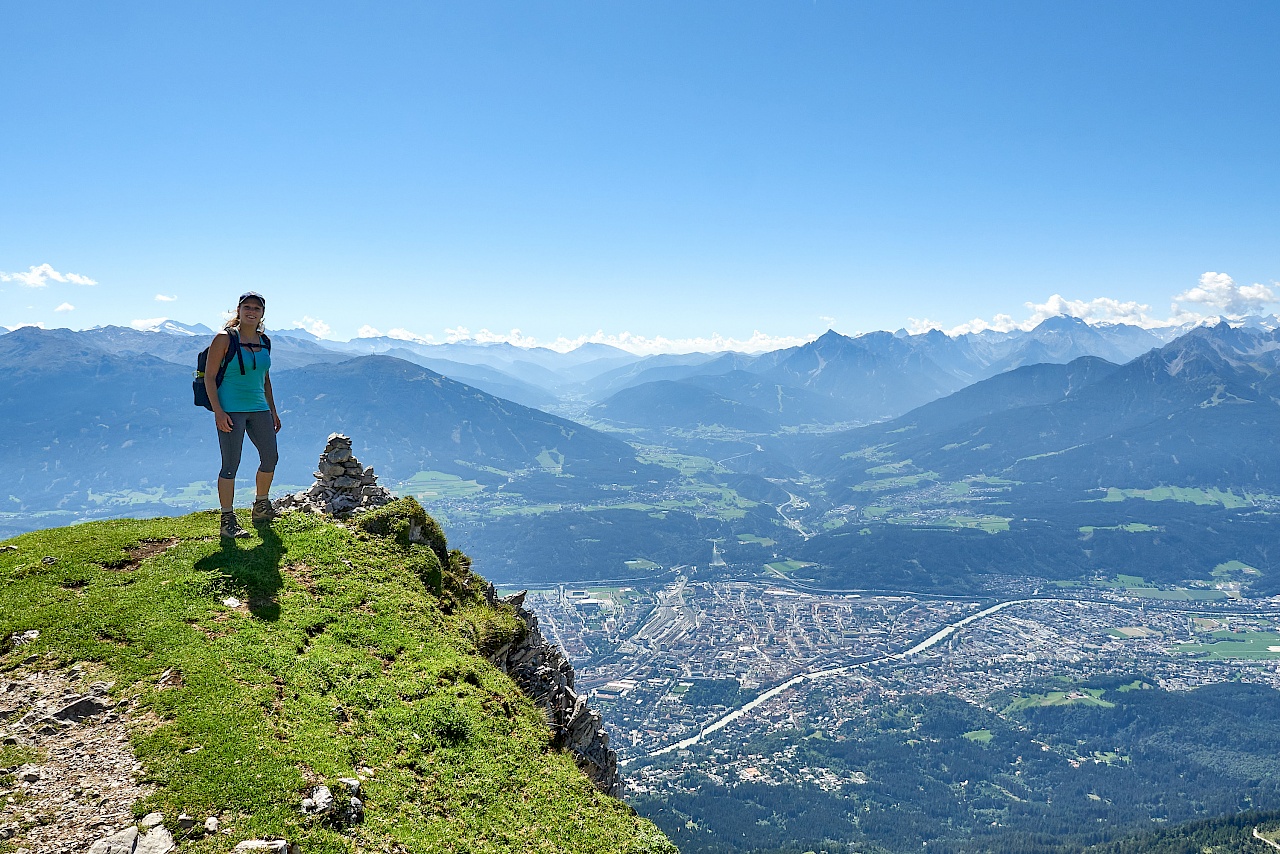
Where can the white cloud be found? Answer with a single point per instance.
(147, 324)
(318, 328)
(1098, 310)
(398, 334)
(1219, 292)
(39, 277)
(164, 298)
(66, 306)
(21, 325)
(406, 335)
(999, 323)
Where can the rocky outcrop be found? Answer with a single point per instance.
(544, 674)
(342, 486)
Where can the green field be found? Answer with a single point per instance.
(1185, 494)
(786, 567)
(990, 524)
(1232, 568)
(900, 482)
(752, 538)
(1131, 528)
(551, 461)
(1135, 685)
(527, 510)
(1083, 697)
(684, 463)
(1177, 595)
(981, 736)
(1250, 646)
(436, 485)
(642, 564)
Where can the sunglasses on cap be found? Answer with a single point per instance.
(252, 295)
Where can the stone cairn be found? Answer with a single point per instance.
(342, 485)
(546, 676)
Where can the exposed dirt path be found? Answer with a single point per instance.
(80, 780)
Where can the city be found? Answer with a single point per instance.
(673, 666)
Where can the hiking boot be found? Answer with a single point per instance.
(262, 511)
(230, 527)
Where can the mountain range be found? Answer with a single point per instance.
(924, 457)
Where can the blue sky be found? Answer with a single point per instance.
(675, 170)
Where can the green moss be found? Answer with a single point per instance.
(406, 521)
(352, 655)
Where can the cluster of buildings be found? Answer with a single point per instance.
(666, 665)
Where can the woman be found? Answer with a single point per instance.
(242, 404)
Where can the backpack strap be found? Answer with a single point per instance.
(233, 348)
(266, 342)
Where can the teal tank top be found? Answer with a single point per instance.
(245, 393)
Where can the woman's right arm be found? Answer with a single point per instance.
(217, 352)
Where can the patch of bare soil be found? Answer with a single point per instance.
(144, 550)
(81, 778)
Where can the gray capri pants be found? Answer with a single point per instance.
(262, 432)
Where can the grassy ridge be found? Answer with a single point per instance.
(338, 661)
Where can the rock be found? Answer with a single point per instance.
(186, 822)
(232, 602)
(23, 638)
(29, 774)
(277, 846)
(211, 824)
(351, 784)
(321, 800)
(48, 560)
(158, 840)
(546, 676)
(120, 842)
(8, 548)
(343, 486)
(80, 708)
(152, 819)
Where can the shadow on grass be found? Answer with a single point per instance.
(255, 569)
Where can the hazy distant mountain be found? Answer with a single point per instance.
(873, 376)
(866, 378)
(287, 351)
(667, 366)
(1061, 339)
(173, 327)
(82, 419)
(414, 419)
(300, 334)
(544, 368)
(1200, 411)
(483, 377)
(681, 405)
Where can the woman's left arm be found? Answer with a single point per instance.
(271, 401)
